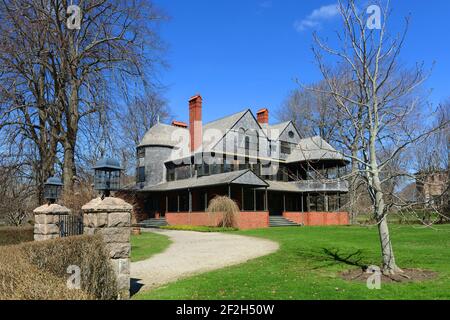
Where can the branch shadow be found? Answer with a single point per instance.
(326, 257)
(352, 259)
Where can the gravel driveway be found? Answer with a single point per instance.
(195, 252)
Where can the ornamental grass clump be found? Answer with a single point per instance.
(227, 207)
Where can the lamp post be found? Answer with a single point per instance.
(52, 189)
(107, 176)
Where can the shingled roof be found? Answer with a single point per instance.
(314, 148)
(242, 177)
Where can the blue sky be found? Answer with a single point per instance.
(246, 54)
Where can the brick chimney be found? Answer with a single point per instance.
(180, 124)
(195, 122)
(263, 116)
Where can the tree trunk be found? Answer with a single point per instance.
(69, 170)
(389, 265)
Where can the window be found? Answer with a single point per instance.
(285, 147)
(241, 137)
(291, 134)
(256, 168)
(332, 173)
(206, 169)
(170, 174)
(141, 153)
(257, 141)
(247, 145)
(141, 174)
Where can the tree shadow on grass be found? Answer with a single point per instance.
(326, 257)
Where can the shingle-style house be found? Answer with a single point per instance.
(269, 170)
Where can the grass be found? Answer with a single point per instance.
(306, 266)
(200, 228)
(146, 244)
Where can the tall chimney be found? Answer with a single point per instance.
(195, 122)
(263, 116)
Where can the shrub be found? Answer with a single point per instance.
(20, 280)
(227, 207)
(15, 235)
(51, 259)
(87, 252)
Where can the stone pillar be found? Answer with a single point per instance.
(111, 217)
(46, 218)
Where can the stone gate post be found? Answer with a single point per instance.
(111, 217)
(46, 218)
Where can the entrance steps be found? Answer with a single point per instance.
(279, 221)
(153, 223)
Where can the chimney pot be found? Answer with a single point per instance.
(180, 124)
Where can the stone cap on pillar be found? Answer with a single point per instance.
(108, 204)
(51, 209)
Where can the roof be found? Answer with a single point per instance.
(108, 163)
(226, 123)
(282, 186)
(274, 131)
(242, 177)
(314, 148)
(161, 134)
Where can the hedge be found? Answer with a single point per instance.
(38, 270)
(15, 235)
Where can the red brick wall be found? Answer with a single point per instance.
(318, 218)
(245, 220)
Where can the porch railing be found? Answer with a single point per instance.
(312, 185)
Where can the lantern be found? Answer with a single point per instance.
(107, 176)
(52, 189)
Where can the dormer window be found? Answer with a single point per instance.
(285, 147)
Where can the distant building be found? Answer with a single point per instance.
(431, 186)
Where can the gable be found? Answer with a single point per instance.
(251, 128)
(249, 178)
(290, 134)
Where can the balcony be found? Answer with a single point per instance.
(329, 185)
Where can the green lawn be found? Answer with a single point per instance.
(147, 244)
(302, 268)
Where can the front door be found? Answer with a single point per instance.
(275, 204)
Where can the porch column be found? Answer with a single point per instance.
(167, 203)
(229, 191)
(265, 200)
(254, 199)
(325, 200)
(242, 198)
(284, 202)
(308, 205)
(301, 200)
(178, 202)
(190, 200)
(206, 201)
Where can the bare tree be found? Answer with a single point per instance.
(139, 116)
(382, 96)
(26, 105)
(55, 80)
